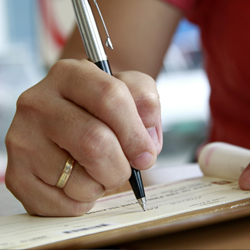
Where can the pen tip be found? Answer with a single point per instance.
(142, 201)
(144, 208)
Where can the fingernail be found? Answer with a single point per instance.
(153, 134)
(143, 161)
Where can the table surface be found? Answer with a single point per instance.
(234, 234)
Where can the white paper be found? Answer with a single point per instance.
(224, 160)
(121, 210)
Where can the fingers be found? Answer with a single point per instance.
(144, 92)
(80, 185)
(109, 100)
(105, 123)
(244, 180)
(102, 167)
(32, 149)
(38, 198)
(33, 172)
(91, 142)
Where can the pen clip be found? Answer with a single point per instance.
(108, 42)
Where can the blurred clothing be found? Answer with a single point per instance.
(225, 38)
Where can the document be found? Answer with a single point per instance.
(122, 210)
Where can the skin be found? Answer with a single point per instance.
(54, 119)
(244, 180)
(107, 123)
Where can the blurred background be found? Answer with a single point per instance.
(32, 34)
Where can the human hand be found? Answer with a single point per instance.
(105, 123)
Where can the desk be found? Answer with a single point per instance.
(233, 234)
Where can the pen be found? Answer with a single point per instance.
(96, 54)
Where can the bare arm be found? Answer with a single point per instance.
(140, 30)
(106, 123)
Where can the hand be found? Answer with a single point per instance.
(105, 123)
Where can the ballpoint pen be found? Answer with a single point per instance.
(96, 54)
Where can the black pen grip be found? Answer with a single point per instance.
(135, 179)
(137, 184)
(104, 65)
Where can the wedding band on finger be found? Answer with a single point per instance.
(66, 172)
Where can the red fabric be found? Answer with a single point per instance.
(1, 179)
(225, 36)
(50, 22)
(185, 5)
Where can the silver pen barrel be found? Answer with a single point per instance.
(89, 31)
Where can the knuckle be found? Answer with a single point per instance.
(70, 69)
(148, 96)
(149, 100)
(113, 95)
(62, 66)
(65, 70)
(31, 103)
(25, 101)
(9, 181)
(9, 141)
(18, 144)
(149, 108)
(12, 144)
(94, 143)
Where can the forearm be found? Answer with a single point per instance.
(74, 47)
(140, 30)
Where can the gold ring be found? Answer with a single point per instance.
(66, 172)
